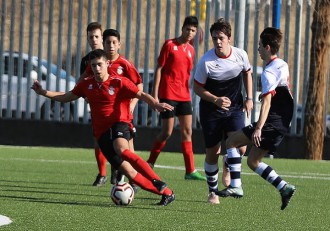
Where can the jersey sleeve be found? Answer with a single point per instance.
(200, 76)
(268, 82)
(129, 87)
(163, 54)
(78, 89)
(247, 65)
(133, 74)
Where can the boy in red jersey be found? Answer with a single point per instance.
(118, 66)
(94, 38)
(109, 98)
(171, 85)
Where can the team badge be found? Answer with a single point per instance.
(120, 70)
(111, 90)
(90, 86)
(175, 48)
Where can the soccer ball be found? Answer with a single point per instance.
(122, 193)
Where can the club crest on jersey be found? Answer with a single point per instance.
(120, 70)
(90, 86)
(175, 48)
(111, 90)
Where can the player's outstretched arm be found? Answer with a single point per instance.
(54, 95)
(153, 102)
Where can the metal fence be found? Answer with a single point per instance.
(46, 39)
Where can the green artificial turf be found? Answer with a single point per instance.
(45, 188)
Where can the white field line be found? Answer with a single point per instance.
(4, 220)
(181, 168)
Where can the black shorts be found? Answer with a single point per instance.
(216, 126)
(270, 137)
(180, 108)
(118, 130)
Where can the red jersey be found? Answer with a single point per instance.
(177, 62)
(120, 67)
(109, 101)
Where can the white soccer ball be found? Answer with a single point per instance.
(122, 193)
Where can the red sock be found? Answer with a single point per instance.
(155, 150)
(188, 156)
(145, 184)
(139, 165)
(101, 161)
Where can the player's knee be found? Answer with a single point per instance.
(115, 161)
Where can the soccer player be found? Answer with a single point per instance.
(171, 85)
(120, 66)
(218, 82)
(274, 121)
(109, 98)
(94, 39)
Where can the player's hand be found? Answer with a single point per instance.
(36, 86)
(256, 137)
(223, 102)
(248, 106)
(161, 107)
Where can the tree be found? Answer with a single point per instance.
(314, 127)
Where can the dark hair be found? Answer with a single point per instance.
(221, 25)
(191, 21)
(93, 26)
(111, 32)
(97, 53)
(273, 37)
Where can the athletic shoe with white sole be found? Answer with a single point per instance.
(236, 192)
(286, 193)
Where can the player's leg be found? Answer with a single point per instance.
(225, 167)
(160, 141)
(167, 118)
(212, 134)
(269, 174)
(236, 139)
(212, 172)
(112, 146)
(101, 164)
(233, 123)
(187, 148)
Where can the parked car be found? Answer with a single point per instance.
(21, 91)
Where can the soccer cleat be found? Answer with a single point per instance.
(113, 178)
(160, 185)
(135, 187)
(236, 192)
(100, 180)
(167, 199)
(286, 193)
(120, 177)
(225, 172)
(194, 176)
(213, 198)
